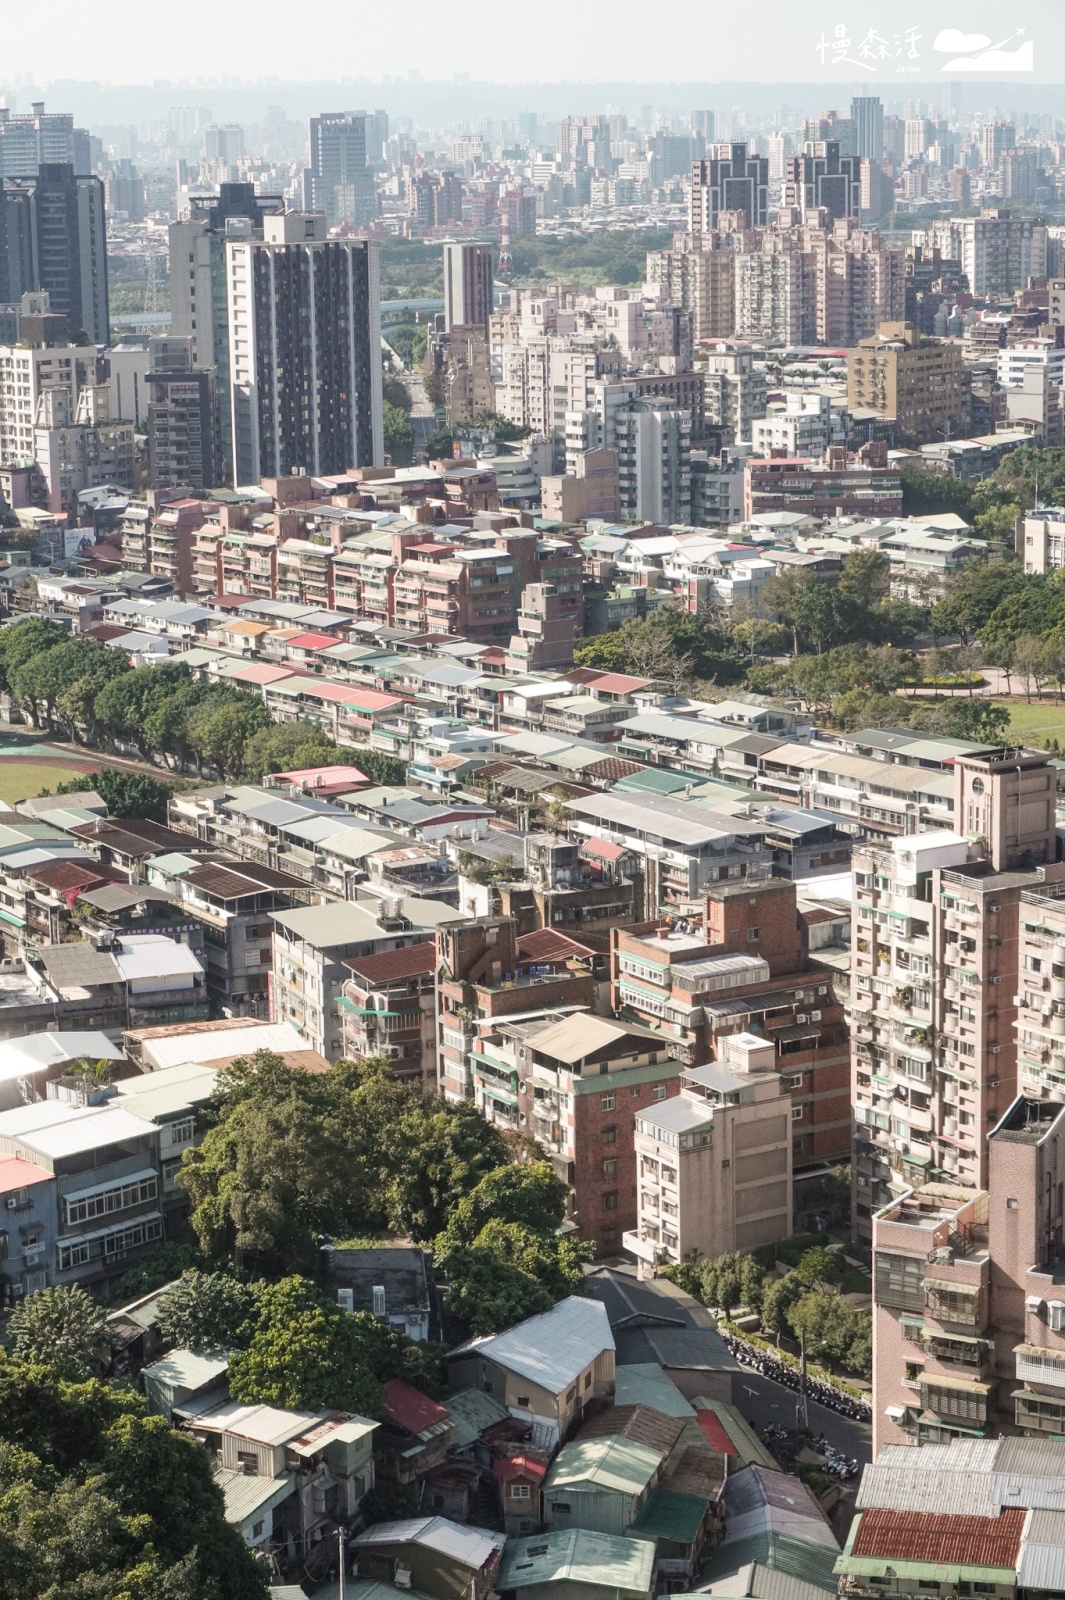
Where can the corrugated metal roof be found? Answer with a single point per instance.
(552, 1349)
(1042, 1559)
(473, 1412)
(668, 1515)
(473, 1547)
(799, 1558)
(645, 1384)
(935, 1538)
(576, 1556)
(620, 1465)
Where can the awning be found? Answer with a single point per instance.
(912, 1322)
(959, 1338)
(950, 1286)
(896, 1413)
(9, 916)
(503, 1095)
(963, 1385)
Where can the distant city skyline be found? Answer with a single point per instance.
(773, 40)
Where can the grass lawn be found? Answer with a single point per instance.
(1040, 720)
(21, 779)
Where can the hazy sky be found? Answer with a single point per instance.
(882, 42)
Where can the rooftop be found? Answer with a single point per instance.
(578, 1556)
(552, 1349)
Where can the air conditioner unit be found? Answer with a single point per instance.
(12, 1203)
(802, 1017)
(815, 1016)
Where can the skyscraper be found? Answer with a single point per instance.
(341, 182)
(199, 304)
(34, 138)
(467, 285)
(867, 114)
(305, 340)
(18, 244)
(71, 234)
(731, 180)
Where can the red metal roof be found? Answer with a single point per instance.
(965, 1541)
(324, 777)
(605, 849)
(311, 641)
(507, 1467)
(389, 965)
(715, 1433)
(261, 672)
(546, 944)
(62, 875)
(618, 683)
(18, 1174)
(409, 1409)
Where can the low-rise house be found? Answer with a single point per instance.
(519, 1480)
(602, 1484)
(443, 1559)
(395, 1283)
(218, 1043)
(773, 1519)
(578, 1564)
(182, 1376)
(29, 1064)
(311, 1471)
(547, 1371)
(415, 1434)
(174, 1099)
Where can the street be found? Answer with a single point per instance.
(762, 1401)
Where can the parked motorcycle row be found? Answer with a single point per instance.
(770, 1366)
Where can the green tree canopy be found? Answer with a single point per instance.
(207, 1311)
(128, 794)
(62, 1329)
(531, 1195)
(306, 1353)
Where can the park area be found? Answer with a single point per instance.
(29, 766)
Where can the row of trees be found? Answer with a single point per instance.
(805, 1304)
(82, 690)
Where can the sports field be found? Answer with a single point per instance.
(1039, 721)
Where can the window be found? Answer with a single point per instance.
(609, 1136)
(118, 1198)
(752, 935)
(606, 1102)
(794, 1080)
(658, 1092)
(610, 1167)
(610, 1201)
(523, 1400)
(561, 1508)
(797, 1113)
(899, 1281)
(520, 1491)
(257, 1529)
(587, 1380)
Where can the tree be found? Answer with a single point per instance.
(502, 427)
(399, 436)
(62, 1329)
(128, 794)
(820, 1321)
(220, 727)
(731, 1280)
(778, 1296)
(487, 1295)
(382, 769)
(864, 579)
(277, 1170)
(1029, 662)
(306, 1353)
(784, 595)
(819, 1266)
(99, 1501)
(25, 639)
(531, 1195)
(206, 1311)
(438, 445)
(973, 595)
(290, 747)
(927, 494)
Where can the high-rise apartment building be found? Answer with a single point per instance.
(915, 380)
(199, 298)
(822, 178)
(867, 114)
(341, 180)
(467, 285)
(43, 359)
(735, 391)
(935, 939)
(305, 340)
(774, 289)
(36, 138)
(18, 243)
(729, 180)
(71, 234)
(700, 281)
(997, 137)
(652, 437)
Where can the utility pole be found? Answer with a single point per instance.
(341, 1591)
(802, 1383)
